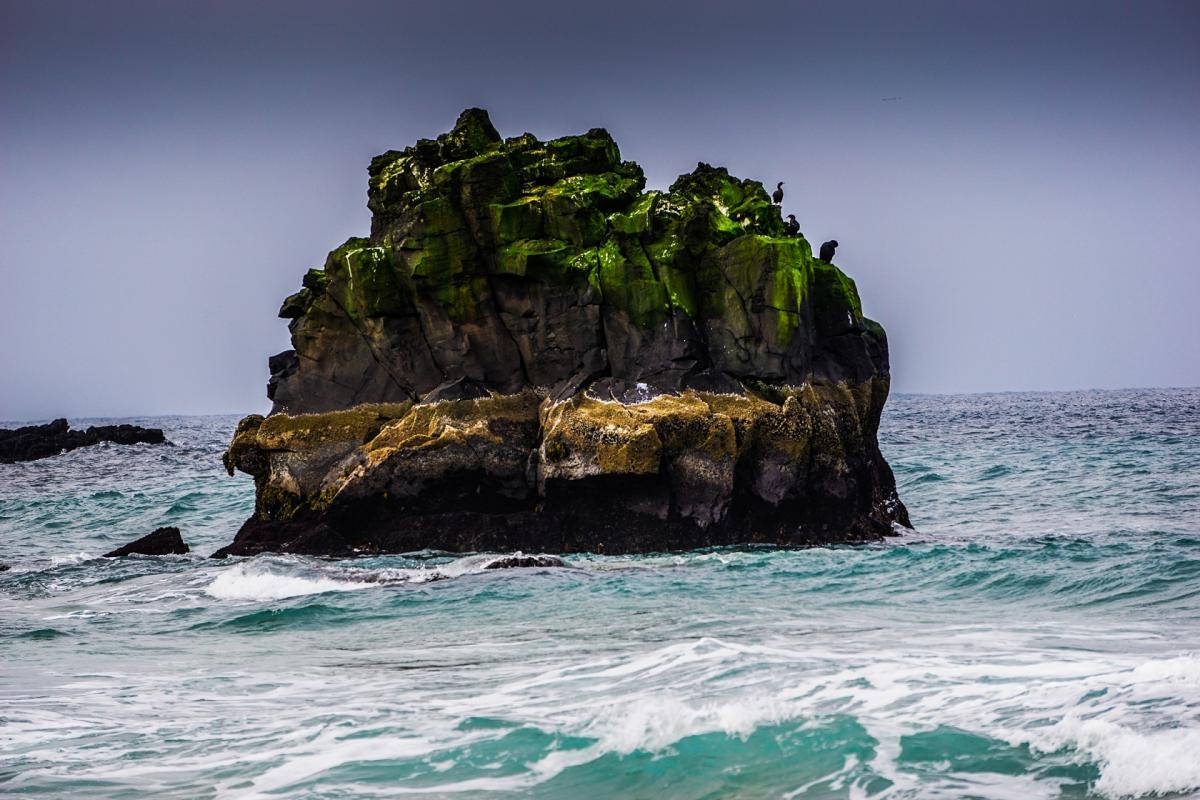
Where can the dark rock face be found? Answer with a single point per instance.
(531, 352)
(40, 441)
(162, 542)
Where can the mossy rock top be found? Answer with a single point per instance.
(470, 203)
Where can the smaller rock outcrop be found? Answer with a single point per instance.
(41, 441)
(162, 542)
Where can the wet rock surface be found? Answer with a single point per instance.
(42, 441)
(531, 352)
(162, 542)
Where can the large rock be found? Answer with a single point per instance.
(531, 352)
(161, 542)
(40, 441)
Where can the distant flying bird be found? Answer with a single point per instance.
(889, 99)
(777, 197)
(793, 227)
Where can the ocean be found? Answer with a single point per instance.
(1036, 636)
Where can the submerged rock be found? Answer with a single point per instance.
(162, 542)
(531, 352)
(523, 562)
(41, 441)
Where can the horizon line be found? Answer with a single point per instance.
(164, 415)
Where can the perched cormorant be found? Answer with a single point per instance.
(777, 197)
(827, 251)
(793, 227)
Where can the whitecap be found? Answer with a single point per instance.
(654, 723)
(72, 558)
(251, 581)
(274, 579)
(1136, 726)
(1132, 763)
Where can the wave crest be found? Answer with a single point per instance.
(259, 581)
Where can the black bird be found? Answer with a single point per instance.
(793, 227)
(777, 197)
(827, 251)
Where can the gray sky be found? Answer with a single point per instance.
(1015, 186)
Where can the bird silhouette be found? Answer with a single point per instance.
(777, 197)
(827, 251)
(793, 227)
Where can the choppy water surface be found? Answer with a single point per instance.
(1039, 636)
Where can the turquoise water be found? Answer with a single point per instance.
(1039, 636)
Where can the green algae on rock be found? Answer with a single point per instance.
(531, 351)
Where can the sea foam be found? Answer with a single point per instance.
(254, 582)
(1132, 763)
(278, 578)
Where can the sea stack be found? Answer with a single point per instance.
(531, 352)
